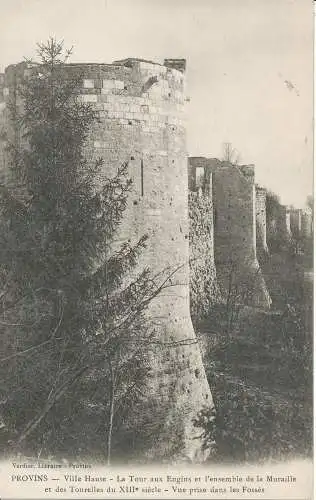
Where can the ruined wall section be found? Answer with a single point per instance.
(301, 222)
(234, 201)
(282, 224)
(291, 224)
(295, 222)
(141, 110)
(204, 290)
(307, 223)
(261, 221)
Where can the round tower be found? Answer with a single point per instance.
(140, 105)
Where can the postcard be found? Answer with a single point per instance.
(156, 236)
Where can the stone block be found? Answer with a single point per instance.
(99, 106)
(89, 98)
(88, 84)
(107, 84)
(144, 108)
(98, 144)
(119, 84)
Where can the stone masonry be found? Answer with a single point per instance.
(204, 289)
(295, 221)
(141, 109)
(300, 221)
(234, 201)
(307, 223)
(261, 220)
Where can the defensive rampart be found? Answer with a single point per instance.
(140, 106)
(234, 201)
(261, 221)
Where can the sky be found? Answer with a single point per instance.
(249, 69)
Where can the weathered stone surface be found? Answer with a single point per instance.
(234, 201)
(281, 224)
(204, 290)
(261, 221)
(141, 113)
(307, 223)
(300, 222)
(295, 221)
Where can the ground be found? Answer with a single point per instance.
(260, 372)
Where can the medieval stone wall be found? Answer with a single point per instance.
(292, 223)
(261, 221)
(140, 105)
(307, 223)
(281, 226)
(295, 221)
(234, 202)
(204, 290)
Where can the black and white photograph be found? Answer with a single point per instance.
(156, 249)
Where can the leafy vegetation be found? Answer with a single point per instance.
(261, 373)
(75, 337)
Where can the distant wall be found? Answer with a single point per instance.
(307, 223)
(261, 220)
(281, 226)
(234, 202)
(204, 290)
(296, 221)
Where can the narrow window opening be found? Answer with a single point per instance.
(142, 177)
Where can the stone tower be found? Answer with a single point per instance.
(234, 202)
(204, 289)
(307, 223)
(261, 220)
(140, 104)
(296, 222)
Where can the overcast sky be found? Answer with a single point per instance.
(249, 68)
